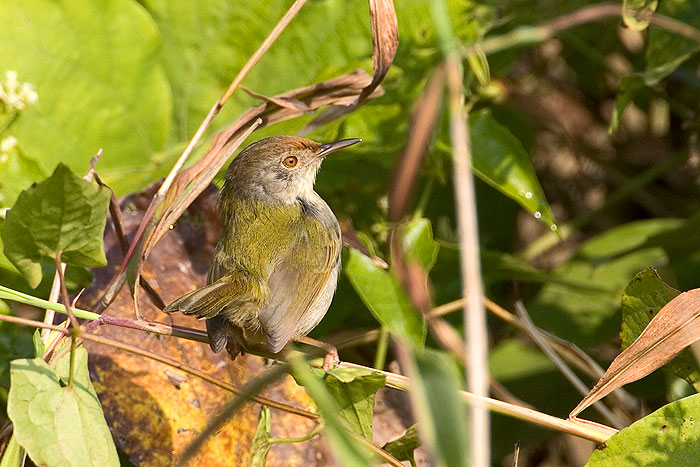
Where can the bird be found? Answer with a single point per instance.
(275, 267)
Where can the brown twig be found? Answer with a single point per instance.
(164, 360)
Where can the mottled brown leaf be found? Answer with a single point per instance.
(674, 328)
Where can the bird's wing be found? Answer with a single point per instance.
(208, 301)
(298, 279)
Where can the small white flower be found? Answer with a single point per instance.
(15, 95)
(8, 144)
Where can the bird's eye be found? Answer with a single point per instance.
(290, 161)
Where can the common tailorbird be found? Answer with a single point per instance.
(275, 267)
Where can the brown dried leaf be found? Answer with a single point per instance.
(351, 240)
(676, 326)
(422, 123)
(286, 102)
(385, 42)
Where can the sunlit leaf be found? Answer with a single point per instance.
(95, 67)
(500, 160)
(354, 390)
(402, 448)
(669, 436)
(63, 214)
(55, 423)
(385, 298)
(642, 299)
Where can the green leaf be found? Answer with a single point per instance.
(500, 160)
(441, 414)
(39, 346)
(606, 263)
(354, 390)
(95, 66)
(385, 298)
(418, 243)
(57, 424)
(63, 213)
(635, 13)
(14, 455)
(667, 50)
(642, 299)
(206, 43)
(669, 436)
(402, 448)
(261, 440)
(345, 447)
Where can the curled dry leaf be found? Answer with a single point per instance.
(676, 326)
(385, 41)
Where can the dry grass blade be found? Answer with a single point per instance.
(422, 125)
(385, 42)
(351, 240)
(676, 326)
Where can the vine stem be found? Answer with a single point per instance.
(577, 427)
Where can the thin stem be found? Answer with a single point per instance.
(549, 239)
(529, 35)
(10, 294)
(75, 331)
(382, 345)
(476, 332)
(317, 429)
(53, 297)
(64, 293)
(166, 361)
(578, 427)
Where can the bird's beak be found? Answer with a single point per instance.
(328, 148)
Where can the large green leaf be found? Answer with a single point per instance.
(606, 264)
(500, 160)
(642, 299)
(385, 298)
(95, 67)
(58, 424)
(354, 390)
(441, 413)
(669, 436)
(63, 214)
(206, 43)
